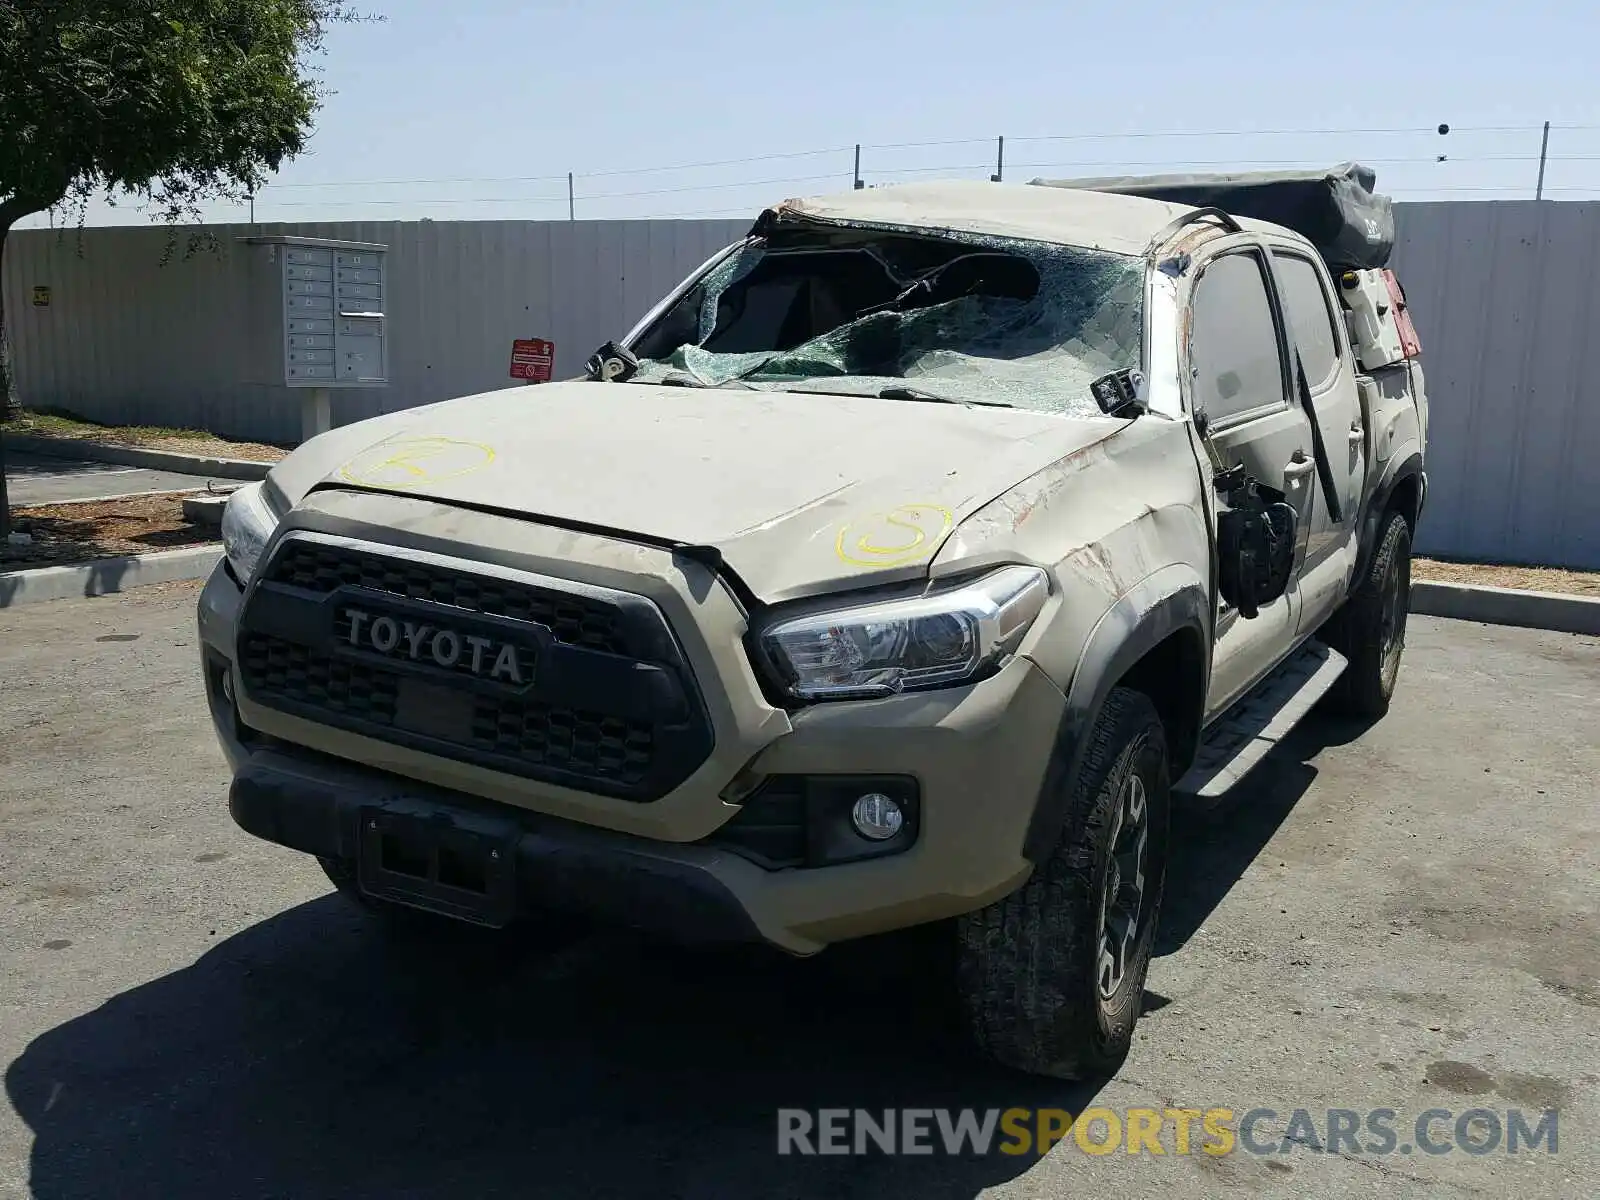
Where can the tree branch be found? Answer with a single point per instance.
(14, 208)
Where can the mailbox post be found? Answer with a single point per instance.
(320, 309)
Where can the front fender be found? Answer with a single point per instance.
(1164, 602)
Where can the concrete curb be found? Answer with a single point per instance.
(106, 575)
(136, 456)
(1506, 606)
(211, 489)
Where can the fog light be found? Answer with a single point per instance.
(227, 684)
(876, 817)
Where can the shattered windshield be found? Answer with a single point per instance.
(975, 319)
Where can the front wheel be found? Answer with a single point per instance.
(1370, 630)
(1052, 976)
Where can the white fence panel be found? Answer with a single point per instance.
(1506, 298)
(1504, 295)
(128, 340)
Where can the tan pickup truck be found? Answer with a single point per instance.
(902, 568)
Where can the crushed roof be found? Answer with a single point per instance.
(1064, 216)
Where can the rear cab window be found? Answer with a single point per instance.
(1310, 316)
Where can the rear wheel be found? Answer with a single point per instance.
(1052, 976)
(1370, 630)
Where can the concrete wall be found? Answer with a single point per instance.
(1503, 293)
(127, 340)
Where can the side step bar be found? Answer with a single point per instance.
(1259, 720)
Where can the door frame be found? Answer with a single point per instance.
(1225, 617)
(1337, 442)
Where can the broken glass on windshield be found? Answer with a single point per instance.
(974, 319)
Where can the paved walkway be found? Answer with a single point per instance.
(37, 479)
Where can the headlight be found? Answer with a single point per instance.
(247, 523)
(902, 645)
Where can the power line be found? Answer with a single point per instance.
(890, 173)
(278, 187)
(928, 170)
(416, 201)
(1291, 162)
(989, 141)
(702, 214)
(1520, 190)
(708, 187)
(890, 146)
(703, 187)
(1182, 133)
(427, 202)
(1475, 158)
(725, 162)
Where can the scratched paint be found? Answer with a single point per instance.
(904, 534)
(416, 462)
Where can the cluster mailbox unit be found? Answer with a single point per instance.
(319, 308)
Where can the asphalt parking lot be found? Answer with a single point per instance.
(1400, 917)
(44, 479)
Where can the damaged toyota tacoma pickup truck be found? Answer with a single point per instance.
(903, 568)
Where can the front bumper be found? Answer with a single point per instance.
(317, 807)
(977, 755)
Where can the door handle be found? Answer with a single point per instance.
(1357, 434)
(1298, 469)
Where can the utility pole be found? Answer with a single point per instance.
(1544, 151)
(858, 184)
(999, 160)
(572, 210)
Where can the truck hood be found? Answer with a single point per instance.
(801, 493)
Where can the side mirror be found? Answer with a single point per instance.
(1255, 544)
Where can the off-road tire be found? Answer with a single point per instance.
(1360, 629)
(1028, 965)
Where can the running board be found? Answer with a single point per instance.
(1260, 720)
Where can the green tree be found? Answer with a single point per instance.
(168, 102)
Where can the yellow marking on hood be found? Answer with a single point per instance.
(416, 462)
(901, 535)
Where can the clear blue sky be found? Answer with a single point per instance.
(477, 95)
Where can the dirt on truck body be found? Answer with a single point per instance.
(902, 568)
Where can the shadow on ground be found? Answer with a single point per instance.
(312, 1056)
(309, 1057)
(1214, 847)
(104, 575)
(25, 464)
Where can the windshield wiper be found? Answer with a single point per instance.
(898, 391)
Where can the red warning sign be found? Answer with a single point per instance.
(533, 359)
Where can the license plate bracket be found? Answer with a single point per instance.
(459, 866)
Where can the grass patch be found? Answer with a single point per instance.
(68, 427)
(1533, 579)
(59, 425)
